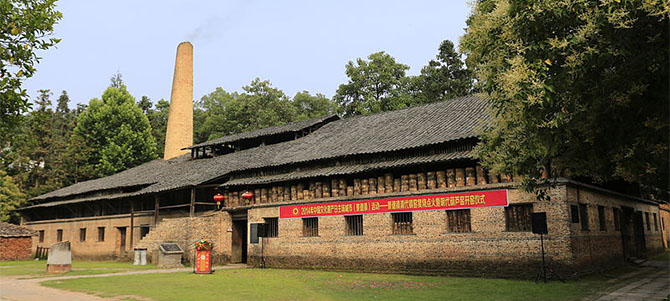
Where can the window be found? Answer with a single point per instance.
(310, 226)
(458, 221)
(655, 222)
(518, 217)
(144, 230)
(354, 224)
(584, 216)
(41, 235)
(82, 234)
(646, 217)
(59, 235)
(601, 218)
(272, 226)
(617, 218)
(574, 214)
(101, 233)
(402, 223)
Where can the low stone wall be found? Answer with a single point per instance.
(185, 231)
(15, 248)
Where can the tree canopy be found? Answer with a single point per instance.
(375, 85)
(113, 134)
(580, 87)
(445, 77)
(259, 106)
(24, 29)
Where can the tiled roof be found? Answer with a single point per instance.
(9, 230)
(410, 128)
(270, 131)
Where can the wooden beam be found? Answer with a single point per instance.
(132, 223)
(205, 203)
(175, 206)
(156, 203)
(192, 205)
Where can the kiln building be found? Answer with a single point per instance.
(396, 191)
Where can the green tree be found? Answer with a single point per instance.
(115, 133)
(445, 77)
(575, 86)
(312, 106)
(37, 147)
(375, 85)
(259, 106)
(11, 198)
(24, 29)
(145, 104)
(116, 81)
(158, 120)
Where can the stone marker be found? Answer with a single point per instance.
(60, 258)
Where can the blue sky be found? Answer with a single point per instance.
(297, 45)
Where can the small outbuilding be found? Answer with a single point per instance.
(15, 242)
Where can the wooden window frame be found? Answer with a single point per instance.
(459, 221)
(402, 223)
(519, 221)
(584, 216)
(616, 212)
(272, 226)
(310, 227)
(655, 222)
(82, 234)
(101, 234)
(354, 225)
(646, 217)
(59, 235)
(41, 235)
(574, 214)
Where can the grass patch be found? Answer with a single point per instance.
(243, 284)
(36, 269)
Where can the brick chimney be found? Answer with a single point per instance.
(179, 132)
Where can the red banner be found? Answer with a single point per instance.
(489, 198)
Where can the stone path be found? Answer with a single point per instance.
(12, 288)
(653, 284)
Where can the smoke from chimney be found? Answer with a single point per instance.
(180, 116)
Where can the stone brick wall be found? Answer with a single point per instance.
(664, 212)
(489, 250)
(15, 248)
(91, 247)
(598, 248)
(186, 230)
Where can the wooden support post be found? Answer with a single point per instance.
(191, 207)
(156, 204)
(132, 223)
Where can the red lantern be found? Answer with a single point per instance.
(219, 198)
(247, 195)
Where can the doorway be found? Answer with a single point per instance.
(632, 233)
(122, 240)
(239, 239)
